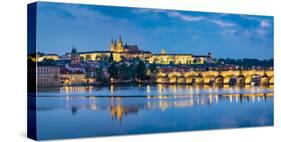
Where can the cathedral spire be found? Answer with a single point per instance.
(209, 54)
(113, 44)
(120, 38)
(74, 50)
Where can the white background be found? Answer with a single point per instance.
(13, 23)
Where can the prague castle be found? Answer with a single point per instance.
(119, 50)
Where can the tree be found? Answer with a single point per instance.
(113, 70)
(49, 61)
(82, 59)
(104, 58)
(125, 72)
(99, 75)
(247, 63)
(153, 68)
(141, 71)
(110, 59)
(123, 58)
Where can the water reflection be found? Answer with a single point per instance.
(118, 111)
(99, 111)
(152, 90)
(120, 107)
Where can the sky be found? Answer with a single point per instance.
(61, 26)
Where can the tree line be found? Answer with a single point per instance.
(246, 62)
(134, 70)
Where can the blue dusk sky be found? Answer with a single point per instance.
(91, 28)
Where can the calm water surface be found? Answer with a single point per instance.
(69, 112)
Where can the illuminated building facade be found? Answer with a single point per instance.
(40, 57)
(73, 78)
(119, 50)
(48, 75)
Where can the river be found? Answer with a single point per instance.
(69, 112)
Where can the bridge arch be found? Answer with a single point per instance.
(230, 79)
(241, 79)
(181, 80)
(173, 79)
(233, 80)
(254, 79)
(235, 77)
(219, 80)
(162, 78)
(210, 79)
(190, 79)
(271, 80)
(199, 79)
(265, 79)
(194, 79)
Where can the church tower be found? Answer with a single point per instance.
(75, 57)
(117, 46)
(112, 46)
(120, 47)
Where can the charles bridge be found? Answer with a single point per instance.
(252, 76)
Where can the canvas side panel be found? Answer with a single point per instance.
(31, 71)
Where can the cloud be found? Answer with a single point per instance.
(249, 17)
(264, 24)
(77, 12)
(230, 31)
(254, 28)
(262, 30)
(185, 17)
(145, 11)
(84, 13)
(223, 23)
(174, 14)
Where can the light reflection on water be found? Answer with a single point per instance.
(147, 90)
(91, 111)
